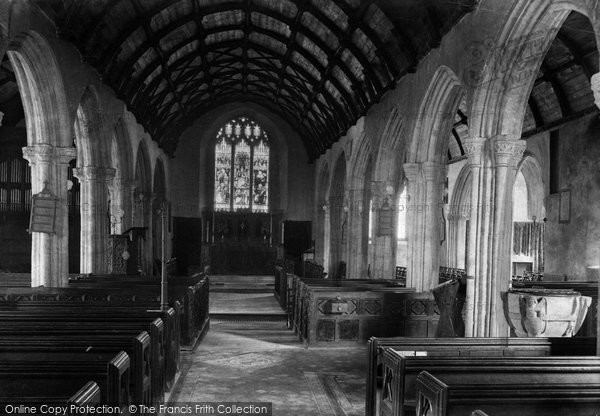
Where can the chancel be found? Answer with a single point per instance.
(300, 207)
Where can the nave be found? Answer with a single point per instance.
(422, 178)
(249, 355)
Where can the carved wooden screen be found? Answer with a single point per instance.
(242, 167)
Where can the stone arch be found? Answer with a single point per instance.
(322, 216)
(49, 150)
(42, 90)
(121, 151)
(338, 210)
(387, 158)
(120, 188)
(159, 184)
(387, 172)
(531, 169)
(458, 217)
(359, 196)
(504, 80)
(90, 131)
(143, 171)
(142, 205)
(436, 115)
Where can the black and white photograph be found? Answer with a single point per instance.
(299, 207)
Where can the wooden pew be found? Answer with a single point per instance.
(53, 311)
(54, 378)
(88, 395)
(23, 326)
(467, 347)
(138, 349)
(400, 373)
(192, 292)
(195, 320)
(570, 392)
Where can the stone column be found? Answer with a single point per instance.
(354, 239)
(477, 255)
(414, 225)
(433, 174)
(118, 195)
(50, 252)
(94, 217)
(326, 235)
(384, 254)
(508, 151)
(493, 166)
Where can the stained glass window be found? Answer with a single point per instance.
(242, 167)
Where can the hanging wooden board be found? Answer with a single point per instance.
(43, 212)
(386, 221)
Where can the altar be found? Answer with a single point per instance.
(242, 242)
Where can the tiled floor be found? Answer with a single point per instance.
(262, 361)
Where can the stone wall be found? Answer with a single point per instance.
(574, 245)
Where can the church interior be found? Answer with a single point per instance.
(300, 207)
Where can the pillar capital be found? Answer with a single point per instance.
(474, 150)
(433, 171)
(595, 85)
(412, 171)
(508, 151)
(46, 153)
(93, 173)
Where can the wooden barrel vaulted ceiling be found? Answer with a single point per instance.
(320, 64)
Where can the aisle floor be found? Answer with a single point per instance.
(260, 360)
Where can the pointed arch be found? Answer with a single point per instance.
(505, 79)
(388, 156)
(42, 90)
(531, 169)
(436, 115)
(90, 131)
(143, 170)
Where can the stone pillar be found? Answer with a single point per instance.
(118, 195)
(94, 217)
(493, 165)
(424, 223)
(477, 254)
(414, 225)
(326, 235)
(433, 175)
(508, 152)
(354, 239)
(50, 252)
(384, 254)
